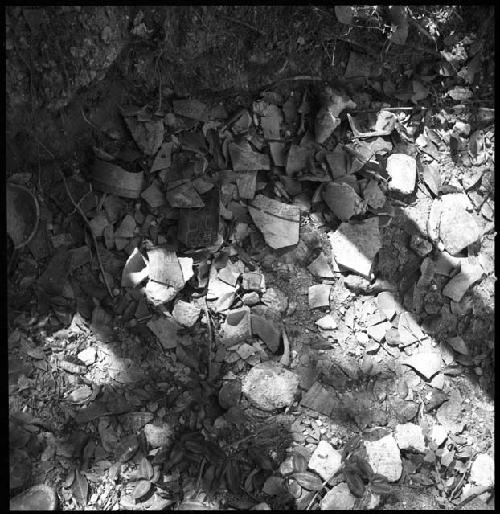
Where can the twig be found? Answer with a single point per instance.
(209, 324)
(82, 214)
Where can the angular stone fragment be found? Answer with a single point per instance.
(457, 228)
(237, 326)
(267, 331)
(319, 296)
(135, 270)
(386, 304)
(298, 159)
(470, 272)
(373, 195)
(384, 457)
(154, 196)
(339, 497)
(182, 193)
(354, 246)
(320, 267)
(378, 331)
(278, 222)
(163, 157)
(402, 170)
(164, 267)
(278, 153)
(425, 362)
(325, 460)
(186, 313)
(158, 293)
(269, 386)
(319, 399)
(275, 299)
(251, 298)
(244, 158)
(338, 162)
(165, 329)
(343, 201)
(409, 437)
(161, 435)
(253, 281)
(327, 322)
(483, 471)
(438, 434)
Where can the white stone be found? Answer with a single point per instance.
(457, 228)
(186, 313)
(269, 386)
(409, 437)
(384, 457)
(325, 460)
(326, 322)
(426, 363)
(279, 222)
(438, 434)
(469, 274)
(338, 497)
(88, 355)
(483, 471)
(343, 201)
(402, 170)
(355, 245)
(319, 296)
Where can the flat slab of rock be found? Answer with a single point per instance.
(319, 296)
(320, 267)
(275, 299)
(458, 228)
(237, 326)
(343, 201)
(425, 362)
(268, 331)
(327, 322)
(244, 158)
(319, 399)
(384, 457)
(269, 386)
(186, 313)
(470, 272)
(354, 246)
(402, 170)
(325, 460)
(409, 437)
(482, 471)
(338, 497)
(279, 222)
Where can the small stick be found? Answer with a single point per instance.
(247, 25)
(285, 360)
(82, 214)
(209, 324)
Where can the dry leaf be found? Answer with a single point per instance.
(308, 481)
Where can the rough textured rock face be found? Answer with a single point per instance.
(269, 386)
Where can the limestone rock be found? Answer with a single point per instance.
(319, 296)
(338, 497)
(267, 331)
(279, 222)
(320, 267)
(458, 228)
(409, 437)
(327, 322)
(354, 246)
(483, 471)
(343, 201)
(269, 386)
(276, 299)
(186, 313)
(237, 326)
(427, 363)
(384, 457)
(325, 460)
(402, 170)
(470, 273)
